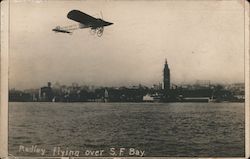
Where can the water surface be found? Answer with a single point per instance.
(159, 129)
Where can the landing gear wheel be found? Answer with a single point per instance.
(99, 31)
(92, 31)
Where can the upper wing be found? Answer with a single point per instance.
(81, 17)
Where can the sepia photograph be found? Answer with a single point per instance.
(121, 78)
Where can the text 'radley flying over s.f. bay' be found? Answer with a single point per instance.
(85, 21)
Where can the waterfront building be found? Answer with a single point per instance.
(148, 98)
(46, 94)
(202, 84)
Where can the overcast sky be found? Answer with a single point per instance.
(202, 40)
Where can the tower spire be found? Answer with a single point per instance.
(166, 76)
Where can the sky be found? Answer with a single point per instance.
(201, 40)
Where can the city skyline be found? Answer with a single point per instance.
(57, 84)
(200, 43)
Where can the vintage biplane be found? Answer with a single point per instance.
(84, 21)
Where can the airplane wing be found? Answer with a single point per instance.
(81, 17)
